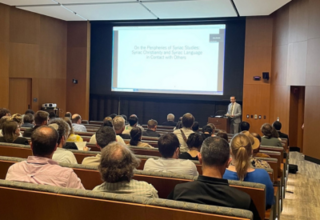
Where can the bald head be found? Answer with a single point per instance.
(170, 117)
(76, 118)
(187, 120)
(44, 141)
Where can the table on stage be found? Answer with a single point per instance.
(220, 123)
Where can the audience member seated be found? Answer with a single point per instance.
(68, 115)
(136, 135)
(133, 122)
(207, 131)
(73, 138)
(277, 126)
(76, 124)
(195, 127)
(40, 118)
(52, 116)
(105, 135)
(255, 143)
(116, 169)
(62, 155)
(170, 120)
(2, 120)
(210, 188)
(4, 112)
(184, 132)
(178, 126)
(119, 125)
(109, 123)
(28, 121)
(152, 127)
(270, 137)
(194, 143)
(257, 153)
(17, 118)
(40, 168)
(240, 167)
(223, 135)
(244, 126)
(11, 133)
(29, 111)
(168, 145)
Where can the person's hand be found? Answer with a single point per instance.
(302, 126)
(232, 116)
(86, 149)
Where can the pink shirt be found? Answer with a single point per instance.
(41, 170)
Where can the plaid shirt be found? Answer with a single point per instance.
(134, 187)
(256, 163)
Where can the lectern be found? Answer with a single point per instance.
(221, 123)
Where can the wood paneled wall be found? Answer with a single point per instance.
(296, 62)
(78, 67)
(44, 50)
(258, 57)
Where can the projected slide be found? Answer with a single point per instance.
(169, 59)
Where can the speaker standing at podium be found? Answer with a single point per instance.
(234, 113)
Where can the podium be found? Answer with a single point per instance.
(221, 123)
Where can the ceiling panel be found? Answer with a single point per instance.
(191, 9)
(258, 7)
(27, 2)
(54, 11)
(120, 11)
(92, 1)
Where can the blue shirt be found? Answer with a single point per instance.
(257, 176)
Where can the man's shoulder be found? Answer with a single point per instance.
(92, 161)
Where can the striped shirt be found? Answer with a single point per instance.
(134, 187)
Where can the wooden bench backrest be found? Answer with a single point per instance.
(164, 185)
(65, 207)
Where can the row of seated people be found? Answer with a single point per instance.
(117, 164)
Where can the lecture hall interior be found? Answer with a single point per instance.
(63, 52)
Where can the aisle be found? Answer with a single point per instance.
(304, 202)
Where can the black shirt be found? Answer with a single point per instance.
(187, 156)
(213, 191)
(170, 123)
(19, 140)
(125, 136)
(150, 133)
(282, 135)
(28, 132)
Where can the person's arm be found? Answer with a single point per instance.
(74, 181)
(84, 129)
(171, 195)
(254, 211)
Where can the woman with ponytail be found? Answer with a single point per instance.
(136, 134)
(241, 169)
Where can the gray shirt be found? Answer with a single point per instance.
(270, 141)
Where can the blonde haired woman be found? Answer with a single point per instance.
(241, 169)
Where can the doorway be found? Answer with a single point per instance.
(296, 120)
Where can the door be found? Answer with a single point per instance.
(19, 95)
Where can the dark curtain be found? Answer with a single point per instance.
(145, 109)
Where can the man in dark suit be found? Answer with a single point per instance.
(170, 120)
(151, 131)
(277, 125)
(210, 188)
(40, 118)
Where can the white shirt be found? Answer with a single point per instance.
(170, 165)
(93, 139)
(64, 156)
(79, 127)
(183, 144)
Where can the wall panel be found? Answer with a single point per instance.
(297, 63)
(24, 26)
(78, 67)
(313, 67)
